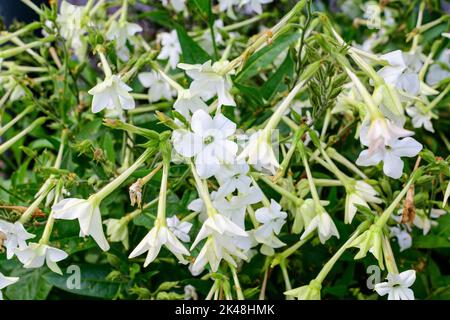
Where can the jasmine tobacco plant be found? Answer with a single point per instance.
(244, 149)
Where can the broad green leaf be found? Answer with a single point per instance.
(93, 281)
(264, 57)
(431, 241)
(161, 17)
(192, 53)
(31, 285)
(275, 83)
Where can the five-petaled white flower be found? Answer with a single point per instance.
(158, 236)
(179, 228)
(397, 286)
(88, 214)
(112, 93)
(272, 220)
(208, 142)
(420, 119)
(36, 254)
(403, 70)
(158, 88)
(209, 81)
(15, 237)
(70, 21)
(233, 176)
(171, 48)
(121, 31)
(391, 155)
(6, 281)
(404, 239)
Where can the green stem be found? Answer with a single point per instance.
(5, 146)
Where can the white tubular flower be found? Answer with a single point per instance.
(378, 132)
(220, 224)
(158, 88)
(171, 48)
(233, 176)
(254, 5)
(391, 155)
(188, 104)
(6, 281)
(157, 237)
(14, 237)
(259, 152)
(397, 286)
(209, 142)
(217, 247)
(179, 229)
(404, 239)
(70, 21)
(88, 214)
(362, 194)
(178, 5)
(323, 223)
(420, 119)
(403, 71)
(439, 70)
(112, 93)
(117, 231)
(121, 31)
(208, 81)
(36, 254)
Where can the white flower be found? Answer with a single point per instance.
(187, 103)
(259, 152)
(217, 247)
(117, 230)
(254, 5)
(439, 70)
(420, 119)
(88, 215)
(403, 71)
(121, 31)
(179, 229)
(15, 237)
(112, 93)
(209, 142)
(70, 21)
(391, 156)
(233, 176)
(158, 88)
(422, 221)
(397, 286)
(235, 207)
(323, 223)
(227, 5)
(361, 194)
(206, 40)
(157, 237)
(171, 48)
(271, 218)
(379, 132)
(6, 281)
(178, 5)
(36, 254)
(208, 81)
(404, 239)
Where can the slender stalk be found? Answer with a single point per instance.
(5, 146)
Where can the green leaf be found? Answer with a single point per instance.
(275, 83)
(205, 9)
(161, 17)
(431, 241)
(192, 53)
(31, 285)
(264, 57)
(93, 281)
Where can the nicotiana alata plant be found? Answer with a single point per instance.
(244, 149)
